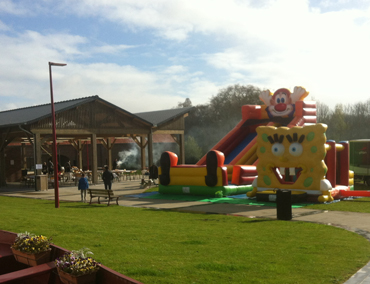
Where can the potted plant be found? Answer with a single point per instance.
(77, 267)
(31, 249)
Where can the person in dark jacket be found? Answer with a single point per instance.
(44, 168)
(83, 185)
(115, 164)
(107, 178)
(50, 167)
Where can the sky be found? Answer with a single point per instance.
(147, 55)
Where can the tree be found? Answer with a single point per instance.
(323, 113)
(192, 150)
(208, 123)
(187, 103)
(226, 105)
(338, 125)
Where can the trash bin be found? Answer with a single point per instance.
(42, 182)
(284, 204)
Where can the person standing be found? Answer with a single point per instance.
(51, 167)
(83, 185)
(68, 170)
(115, 164)
(44, 168)
(107, 178)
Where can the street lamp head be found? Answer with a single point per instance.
(57, 64)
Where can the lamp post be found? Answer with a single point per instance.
(56, 182)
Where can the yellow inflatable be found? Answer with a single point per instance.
(292, 158)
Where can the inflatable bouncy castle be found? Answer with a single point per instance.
(277, 145)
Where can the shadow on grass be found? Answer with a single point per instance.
(259, 220)
(88, 206)
(360, 200)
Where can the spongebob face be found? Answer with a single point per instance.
(291, 158)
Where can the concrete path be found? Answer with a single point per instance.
(355, 222)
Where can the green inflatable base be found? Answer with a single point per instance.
(204, 190)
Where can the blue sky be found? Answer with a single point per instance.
(145, 55)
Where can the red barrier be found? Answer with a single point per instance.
(349, 193)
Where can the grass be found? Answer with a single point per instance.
(157, 246)
(361, 205)
(152, 189)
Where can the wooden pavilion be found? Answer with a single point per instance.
(89, 118)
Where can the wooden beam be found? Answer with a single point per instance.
(138, 142)
(175, 138)
(158, 131)
(46, 151)
(107, 141)
(100, 132)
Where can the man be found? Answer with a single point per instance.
(107, 178)
(67, 169)
(50, 167)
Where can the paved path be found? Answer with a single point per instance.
(356, 222)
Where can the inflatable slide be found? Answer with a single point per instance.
(230, 166)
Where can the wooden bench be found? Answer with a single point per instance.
(102, 193)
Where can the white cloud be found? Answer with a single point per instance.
(3, 27)
(326, 52)
(273, 44)
(269, 44)
(24, 74)
(109, 49)
(9, 7)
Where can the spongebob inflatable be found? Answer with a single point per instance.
(293, 159)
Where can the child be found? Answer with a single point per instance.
(83, 185)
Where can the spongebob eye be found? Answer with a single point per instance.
(278, 149)
(295, 149)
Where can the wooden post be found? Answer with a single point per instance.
(24, 157)
(182, 148)
(38, 151)
(142, 150)
(150, 149)
(79, 145)
(94, 169)
(109, 147)
(2, 167)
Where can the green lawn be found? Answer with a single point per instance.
(156, 246)
(361, 205)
